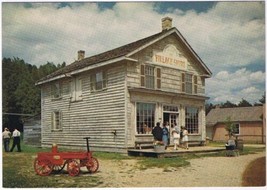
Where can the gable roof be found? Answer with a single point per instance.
(118, 54)
(237, 114)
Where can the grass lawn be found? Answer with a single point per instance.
(18, 171)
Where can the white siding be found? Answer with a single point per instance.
(170, 77)
(96, 115)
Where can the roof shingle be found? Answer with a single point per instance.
(237, 114)
(108, 55)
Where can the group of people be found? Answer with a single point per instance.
(16, 140)
(165, 134)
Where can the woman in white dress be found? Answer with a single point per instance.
(185, 138)
(176, 136)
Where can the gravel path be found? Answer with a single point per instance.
(202, 172)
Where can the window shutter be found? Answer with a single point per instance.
(92, 82)
(105, 79)
(78, 89)
(60, 119)
(52, 91)
(52, 121)
(158, 78)
(195, 84)
(72, 90)
(142, 75)
(183, 82)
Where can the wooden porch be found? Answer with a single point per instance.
(170, 152)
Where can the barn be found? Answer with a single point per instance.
(117, 97)
(250, 123)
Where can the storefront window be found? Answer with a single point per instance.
(191, 120)
(145, 118)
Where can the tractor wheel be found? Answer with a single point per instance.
(93, 165)
(73, 167)
(43, 167)
(58, 168)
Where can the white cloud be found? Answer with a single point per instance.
(231, 35)
(237, 85)
(250, 90)
(222, 75)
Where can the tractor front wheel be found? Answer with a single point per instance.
(43, 167)
(73, 167)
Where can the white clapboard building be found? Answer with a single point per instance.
(117, 97)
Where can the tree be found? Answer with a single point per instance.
(228, 104)
(262, 100)
(244, 103)
(230, 127)
(20, 95)
(209, 107)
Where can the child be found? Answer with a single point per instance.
(185, 138)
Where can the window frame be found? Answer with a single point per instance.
(189, 83)
(96, 83)
(150, 76)
(56, 90)
(56, 120)
(76, 92)
(145, 116)
(192, 125)
(238, 129)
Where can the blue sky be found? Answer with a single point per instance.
(228, 36)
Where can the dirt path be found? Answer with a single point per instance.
(202, 172)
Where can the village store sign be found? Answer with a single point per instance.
(170, 56)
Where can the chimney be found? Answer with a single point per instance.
(81, 55)
(166, 23)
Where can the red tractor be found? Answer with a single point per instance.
(46, 162)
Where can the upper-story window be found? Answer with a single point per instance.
(189, 83)
(98, 81)
(150, 77)
(56, 90)
(76, 89)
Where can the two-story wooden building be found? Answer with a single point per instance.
(117, 97)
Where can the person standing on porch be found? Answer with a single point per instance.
(185, 137)
(176, 136)
(165, 136)
(169, 130)
(157, 132)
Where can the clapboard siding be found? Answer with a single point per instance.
(170, 77)
(99, 113)
(96, 115)
(171, 81)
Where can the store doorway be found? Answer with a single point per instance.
(171, 118)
